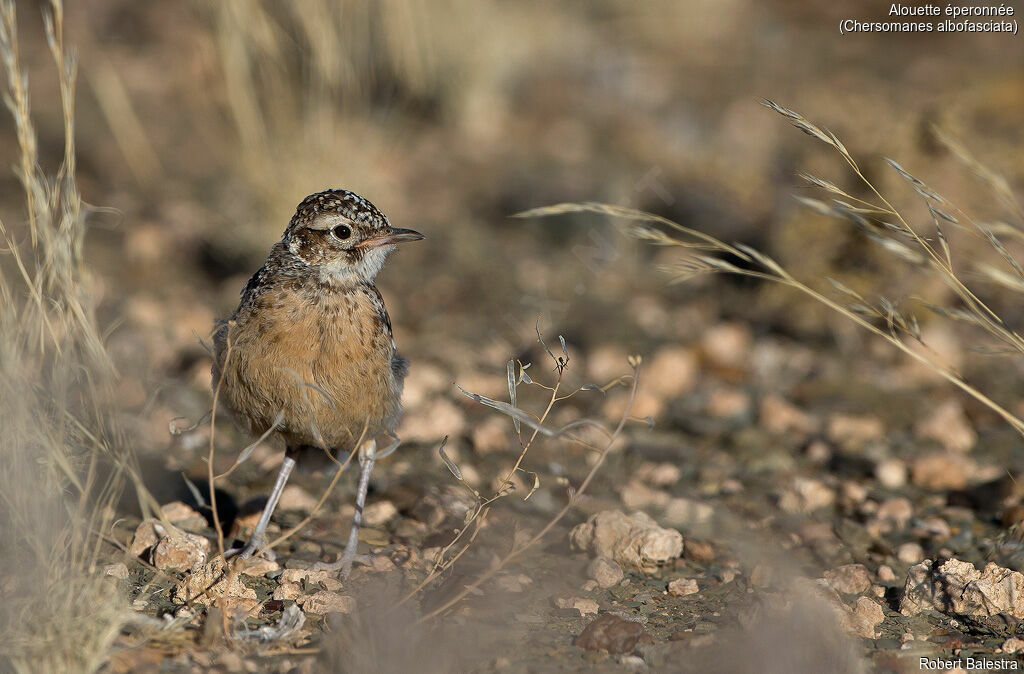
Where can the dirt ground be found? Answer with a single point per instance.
(820, 480)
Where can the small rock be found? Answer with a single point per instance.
(818, 452)
(892, 473)
(288, 591)
(605, 571)
(438, 417)
(633, 663)
(379, 513)
(663, 474)
(1013, 645)
(933, 527)
(581, 604)
(806, 495)
(636, 494)
(681, 587)
(863, 618)
(781, 417)
(295, 497)
(849, 578)
(852, 493)
(147, 535)
(672, 372)
(634, 541)
(948, 425)
(701, 552)
(910, 553)
(490, 435)
(613, 635)
(181, 551)
(119, 571)
(896, 511)
(325, 601)
(849, 430)
(212, 582)
(307, 575)
(761, 575)
(728, 403)
(512, 582)
(726, 347)
(957, 587)
(256, 566)
(942, 470)
(183, 515)
(684, 512)
(886, 574)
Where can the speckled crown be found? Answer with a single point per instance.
(348, 204)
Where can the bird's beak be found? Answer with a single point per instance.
(390, 236)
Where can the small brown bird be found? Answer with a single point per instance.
(308, 355)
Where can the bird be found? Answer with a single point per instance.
(308, 357)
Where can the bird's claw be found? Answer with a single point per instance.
(258, 543)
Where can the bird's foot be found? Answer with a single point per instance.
(257, 543)
(343, 564)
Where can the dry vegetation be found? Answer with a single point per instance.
(807, 473)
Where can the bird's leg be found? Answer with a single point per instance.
(367, 457)
(259, 538)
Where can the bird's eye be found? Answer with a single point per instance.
(342, 232)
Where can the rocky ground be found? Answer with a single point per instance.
(781, 515)
(790, 495)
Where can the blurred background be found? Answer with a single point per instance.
(200, 126)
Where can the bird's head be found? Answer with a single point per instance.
(343, 235)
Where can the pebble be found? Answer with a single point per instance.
(290, 591)
(635, 541)
(681, 587)
(672, 372)
(325, 601)
(490, 435)
(605, 571)
(379, 513)
(119, 571)
(183, 515)
(782, 417)
(613, 635)
(806, 495)
(701, 552)
(863, 618)
(948, 425)
(728, 403)
(849, 578)
(886, 574)
(726, 346)
(633, 663)
(891, 473)
(583, 605)
(942, 470)
(910, 553)
(1013, 645)
(684, 512)
(147, 535)
(209, 583)
(957, 587)
(512, 582)
(663, 474)
(437, 418)
(897, 510)
(850, 430)
(295, 497)
(180, 552)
